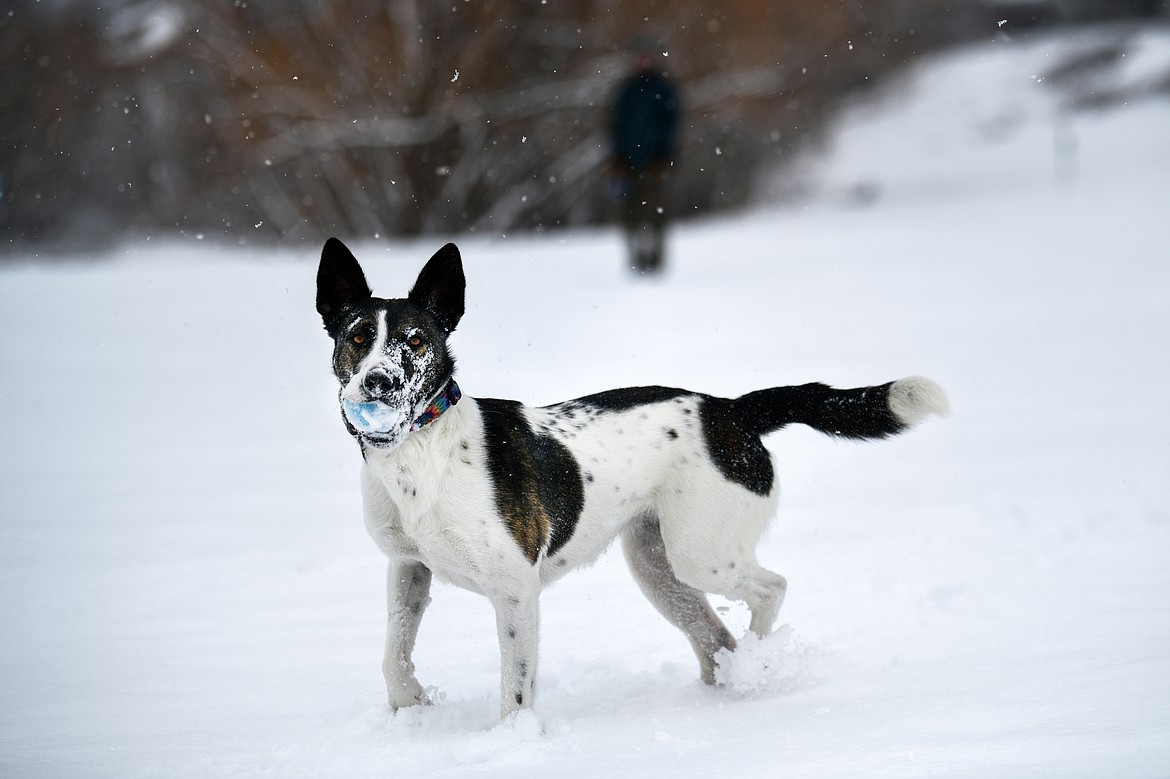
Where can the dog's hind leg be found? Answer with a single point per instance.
(739, 577)
(518, 626)
(764, 592)
(683, 606)
(742, 580)
(408, 586)
(710, 535)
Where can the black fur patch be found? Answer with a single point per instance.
(538, 488)
(862, 412)
(623, 399)
(736, 450)
(733, 427)
(340, 284)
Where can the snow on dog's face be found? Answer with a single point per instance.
(391, 362)
(390, 356)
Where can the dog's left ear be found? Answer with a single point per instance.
(340, 283)
(439, 287)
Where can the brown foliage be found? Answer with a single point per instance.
(261, 121)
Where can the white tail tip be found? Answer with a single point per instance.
(913, 399)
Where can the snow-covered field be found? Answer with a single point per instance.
(186, 588)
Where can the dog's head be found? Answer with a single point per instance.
(390, 356)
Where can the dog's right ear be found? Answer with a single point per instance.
(340, 283)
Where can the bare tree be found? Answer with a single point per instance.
(357, 117)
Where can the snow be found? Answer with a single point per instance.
(187, 589)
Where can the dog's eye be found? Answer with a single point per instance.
(359, 339)
(415, 341)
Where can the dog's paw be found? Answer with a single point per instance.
(407, 694)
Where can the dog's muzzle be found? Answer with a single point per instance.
(379, 385)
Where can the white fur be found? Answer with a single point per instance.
(914, 398)
(431, 501)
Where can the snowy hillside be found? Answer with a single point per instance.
(187, 590)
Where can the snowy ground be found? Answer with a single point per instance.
(186, 588)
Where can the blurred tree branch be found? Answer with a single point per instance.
(356, 117)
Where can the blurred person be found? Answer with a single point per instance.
(643, 130)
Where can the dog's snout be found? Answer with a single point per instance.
(378, 383)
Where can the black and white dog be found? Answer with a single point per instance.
(503, 499)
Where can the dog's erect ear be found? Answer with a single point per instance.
(340, 283)
(440, 285)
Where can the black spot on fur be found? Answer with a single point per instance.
(538, 488)
(736, 450)
(672, 433)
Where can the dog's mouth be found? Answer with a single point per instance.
(375, 418)
(384, 421)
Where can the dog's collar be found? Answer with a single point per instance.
(447, 398)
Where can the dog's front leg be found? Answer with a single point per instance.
(408, 587)
(517, 623)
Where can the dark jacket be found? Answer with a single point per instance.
(645, 120)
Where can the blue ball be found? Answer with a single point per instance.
(371, 417)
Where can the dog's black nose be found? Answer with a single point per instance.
(379, 384)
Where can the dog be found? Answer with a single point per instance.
(503, 499)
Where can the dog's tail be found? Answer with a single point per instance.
(864, 412)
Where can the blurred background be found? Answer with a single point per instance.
(260, 123)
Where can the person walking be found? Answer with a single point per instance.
(643, 132)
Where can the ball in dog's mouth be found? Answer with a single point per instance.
(372, 416)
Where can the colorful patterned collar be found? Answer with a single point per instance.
(447, 398)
